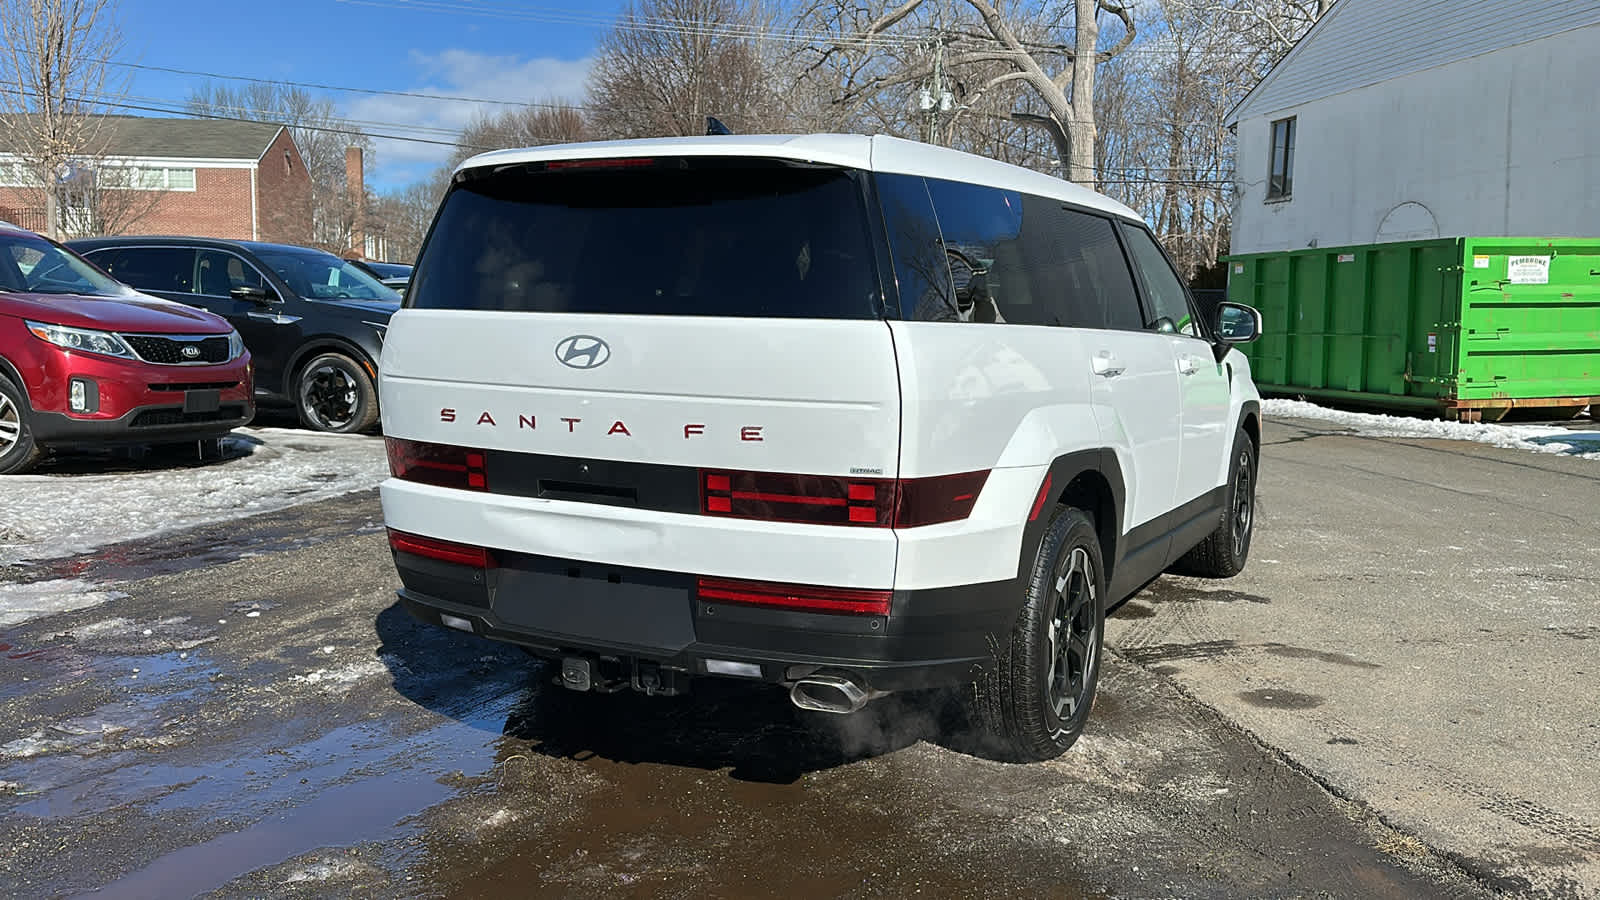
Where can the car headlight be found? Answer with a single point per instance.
(235, 345)
(82, 339)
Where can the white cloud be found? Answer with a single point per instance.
(458, 73)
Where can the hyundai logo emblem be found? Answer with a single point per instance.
(583, 351)
(190, 352)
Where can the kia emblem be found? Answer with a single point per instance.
(190, 351)
(583, 351)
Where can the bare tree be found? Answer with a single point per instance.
(550, 122)
(1165, 150)
(403, 218)
(1008, 40)
(666, 65)
(1268, 28)
(321, 135)
(106, 196)
(55, 75)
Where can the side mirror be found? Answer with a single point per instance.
(253, 294)
(1237, 323)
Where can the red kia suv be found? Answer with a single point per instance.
(85, 360)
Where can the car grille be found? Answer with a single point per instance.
(194, 386)
(169, 350)
(155, 418)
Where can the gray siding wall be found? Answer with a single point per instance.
(1364, 42)
(1503, 143)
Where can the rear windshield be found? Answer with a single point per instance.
(687, 238)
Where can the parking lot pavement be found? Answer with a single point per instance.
(270, 724)
(1419, 626)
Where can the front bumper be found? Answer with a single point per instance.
(142, 425)
(559, 608)
(136, 402)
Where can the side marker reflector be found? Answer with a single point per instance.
(1038, 502)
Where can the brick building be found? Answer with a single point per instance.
(200, 177)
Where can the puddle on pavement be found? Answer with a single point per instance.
(1166, 590)
(1339, 659)
(729, 789)
(344, 787)
(1133, 610)
(1271, 698)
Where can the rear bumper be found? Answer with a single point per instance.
(557, 608)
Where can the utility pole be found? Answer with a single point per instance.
(935, 100)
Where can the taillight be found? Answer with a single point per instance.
(443, 551)
(806, 598)
(812, 499)
(942, 498)
(823, 500)
(444, 465)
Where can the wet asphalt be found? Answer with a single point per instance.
(257, 717)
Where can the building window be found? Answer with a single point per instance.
(15, 174)
(146, 178)
(1281, 182)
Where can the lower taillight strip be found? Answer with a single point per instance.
(806, 598)
(441, 550)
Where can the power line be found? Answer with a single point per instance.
(146, 107)
(661, 24)
(344, 88)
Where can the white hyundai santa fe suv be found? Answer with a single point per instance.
(846, 414)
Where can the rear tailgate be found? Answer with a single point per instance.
(609, 334)
(802, 396)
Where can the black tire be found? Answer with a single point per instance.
(1032, 700)
(18, 452)
(334, 394)
(1226, 549)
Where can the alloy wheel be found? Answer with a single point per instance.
(330, 396)
(1242, 503)
(10, 425)
(1073, 644)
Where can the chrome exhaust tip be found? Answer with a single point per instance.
(840, 694)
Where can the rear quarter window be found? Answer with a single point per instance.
(973, 253)
(685, 238)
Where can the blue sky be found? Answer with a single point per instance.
(518, 51)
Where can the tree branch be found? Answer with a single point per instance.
(890, 19)
(1128, 32)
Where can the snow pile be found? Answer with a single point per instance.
(1539, 438)
(44, 516)
(343, 678)
(327, 869)
(21, 602)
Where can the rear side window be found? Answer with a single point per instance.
(1012, 257)
(169, 269)
(678, 237)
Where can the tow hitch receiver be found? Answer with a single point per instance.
(582, 673)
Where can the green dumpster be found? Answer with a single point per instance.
(1472, 327)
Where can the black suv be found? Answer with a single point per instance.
(313, 322)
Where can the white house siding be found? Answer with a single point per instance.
(1505, 142)
(1365, 42)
